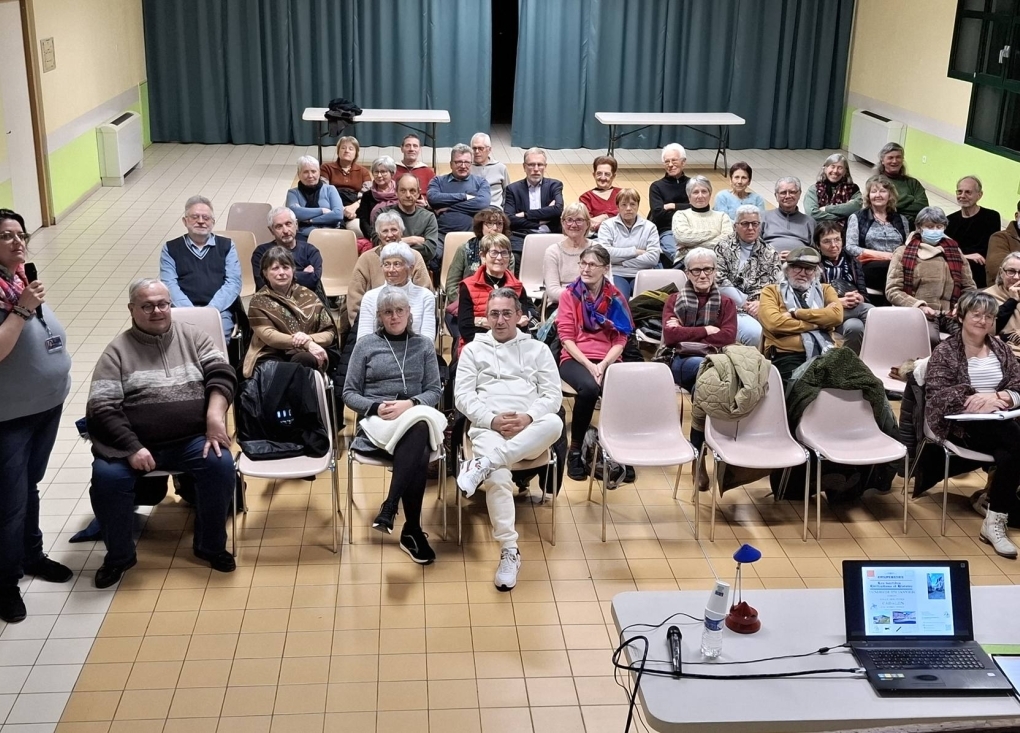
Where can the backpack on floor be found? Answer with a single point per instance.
(617, 471)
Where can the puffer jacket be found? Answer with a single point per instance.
(730, 384)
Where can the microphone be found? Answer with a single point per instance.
(31, 274)
(673, 637)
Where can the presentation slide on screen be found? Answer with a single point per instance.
(907, 601)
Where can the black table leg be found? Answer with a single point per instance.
(432, 134)
(612, 140)
(318, 138)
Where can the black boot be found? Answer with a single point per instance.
(575, 465)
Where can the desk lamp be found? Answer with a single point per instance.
(743, 618)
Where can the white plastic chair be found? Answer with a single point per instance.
(760, 440)
(451, 245)
(840, 426)
(950, 449)
(532, 276)
(647, 280)
(639, 424)
(339, 249)
(892, 335)
(249, 216)
(207, 319)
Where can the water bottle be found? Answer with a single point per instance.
(715, 614)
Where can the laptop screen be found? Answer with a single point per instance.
(907, 600)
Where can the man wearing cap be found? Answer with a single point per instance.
(799, 313)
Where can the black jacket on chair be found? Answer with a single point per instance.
(278, 414)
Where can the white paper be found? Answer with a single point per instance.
(997, 415)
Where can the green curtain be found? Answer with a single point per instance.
(779, 64)
(242, 71)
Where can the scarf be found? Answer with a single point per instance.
(815, 342)
(608, 307)
(311, 194)
(299, 310)
(384, 198)
(12, 285)
(835, 193)
(954, 260)
(686, 307)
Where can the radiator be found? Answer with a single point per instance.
(870, 131)
(120, 147)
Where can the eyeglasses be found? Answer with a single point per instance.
(505, 315)
(699, 271)
(199, 218)
(161, 306)
(389, 312)
(534, 165)
(461, 162)
(831, 240)
(479, 147)
(9, 237)
(1011, 273)
(788, 193)
(749, 224)
(574, 222)
(797, 267)
(498, 254)
(589, 266)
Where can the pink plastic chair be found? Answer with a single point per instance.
(657, 279)
(639, 424)
(840, 426)
(892, 335)
(532, 257)
(760, 440)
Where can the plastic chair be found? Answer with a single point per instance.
(950, 449)
(840, 426)
(647, 280)
(302, 466)
(207, 319)
(245, 243)
(760, 440)
(532, 276)
(339, 248)
(451, 245)
(249, 216)
(639, 424)
(892, 335)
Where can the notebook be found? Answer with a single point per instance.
(909, 624)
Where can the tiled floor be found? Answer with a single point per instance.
(294, 640)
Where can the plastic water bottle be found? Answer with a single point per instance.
(715, 614)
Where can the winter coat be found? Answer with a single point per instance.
(730, 384)
(279, 413)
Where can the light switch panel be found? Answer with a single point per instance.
(49, 56)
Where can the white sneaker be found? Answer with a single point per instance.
(509, 565)
(979, 502)
(993, 532)
(472, 473)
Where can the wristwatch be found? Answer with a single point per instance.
(415, 401)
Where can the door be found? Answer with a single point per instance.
(17, 150)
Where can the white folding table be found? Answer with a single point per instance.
(429, 118)
(793, 621)
(642, 120)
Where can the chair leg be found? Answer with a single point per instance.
(807, 493)
(335, 500)
(591, 475)
(906, 496)
(460, 520)
(818, 503)
(719, 468)
(694, 475)
(350, 498)
(605, 477)
(945, 494)
(551, 481)
(697, 494)
(233, 515)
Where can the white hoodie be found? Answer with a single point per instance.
(519, 375)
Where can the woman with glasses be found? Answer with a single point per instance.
(468, 259)
(593, 323)
(874, 232)
(381, 194)
(835, 196)
(1006, 292)
(846, 277)
(699, 226)
(474, 292)
(559, 265)
(631, 240)
(315, 202)
(35, 378)
(397, 262)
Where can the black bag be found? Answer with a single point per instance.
(617, 471)
(278, 415)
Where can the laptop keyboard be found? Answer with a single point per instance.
(925, 659)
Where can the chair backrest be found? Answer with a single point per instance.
(892, 335)
(639, 403)
(453, 242)
(325, 408)
(245, 243)
(647, 280)
(532, 256)
(768, 416)
(249, 216)
(339, 249)
(838, 414)
(206, 319)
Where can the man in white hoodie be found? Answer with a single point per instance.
(508, 387)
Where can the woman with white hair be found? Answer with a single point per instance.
(315, 203)
(398, 260)
(380, 195)
(699, 226)
(835, 196)
(667, 195)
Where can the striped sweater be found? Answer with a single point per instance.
(151, 390)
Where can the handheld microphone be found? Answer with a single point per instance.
(673, 637)
(31, 274)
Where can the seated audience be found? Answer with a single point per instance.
(201, 268)
(1002, 243)
(380, 388)
(593, 323)
(667, 195)
(929, 272)
(534, 204)
(785, 228)
(421, 231)
(910, 194)
(559, 265)
(973, 372)
(746, 265)
(846, 277)
(410, 164)
(601, 200)
(349, 178)
(315, 203)
(973, 226)
(631, 241)
(798, 314)
(874, 232)
(468, 259)
(473, 294)
(307, 258)
(699, 226)
(289, 322)
(739, 193)
(509, 389)
(158, 402)
(456, 197)
(834, 196)
(397, 262)
(1006, 291)
(382, 194)
(484, 166)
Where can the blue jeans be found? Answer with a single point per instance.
(25, 445)
(625, 285)
(113, 496)
(668, 244)
(685, 371)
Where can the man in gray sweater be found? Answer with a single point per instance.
(491, 170)
(786, 227)
(421, 231)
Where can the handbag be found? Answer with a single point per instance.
(666, 354)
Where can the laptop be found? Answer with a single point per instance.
(910, 626)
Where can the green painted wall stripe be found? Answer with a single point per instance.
(74, 171)
(143, 102)
(6, 195)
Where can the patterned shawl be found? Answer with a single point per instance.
(300, 310)
(12, 285)
(835, 193)
(954, 260)
(608, 307)
(686, 307)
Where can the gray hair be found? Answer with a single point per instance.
(384, 161)
(890, 148)
(747, 210)
(674, 148)
(306, 160)
(143, 284)
(507, 293)
(788, 179)
(535, 151)
(976, 300)
(391, 297)
(1002, 267)
(931, 215)
(973, 178)
(195, 200)
(482, 138)
(276, 212)
(388, 217)
(700, 253)
(836, 159)
(398, 249)
(696, 181)
(460, 149)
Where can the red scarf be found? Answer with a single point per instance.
(954, 259)
(11, 290)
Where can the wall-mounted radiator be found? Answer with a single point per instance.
(870, 131)
(120, 147)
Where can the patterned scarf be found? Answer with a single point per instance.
(384, 198)
(12, 285)
(835, 193)
(299, 310)
(954, 260)
(686, 307)
(815, 341)
(608, 307)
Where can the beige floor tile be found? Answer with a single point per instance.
(91, 706)
(496, 665)
(244, 701)
(154, 675)
(205, 673)
(347, 722)
(144, 704)
(260, 646)
(451, 694)
(506, 720)
(352, 697)
(455, 721)
(245, 724)
(197, 703)
(304, 723)
(294, 699)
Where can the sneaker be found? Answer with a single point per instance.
(12, 608)
(387, 513)
(993, 532)
(415, 543)
(979, 502)
(49, 570)
(472, 473)
(509, 566)
(575, 465)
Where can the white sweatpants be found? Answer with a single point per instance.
(528, 444)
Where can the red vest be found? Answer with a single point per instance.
(479, 288)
